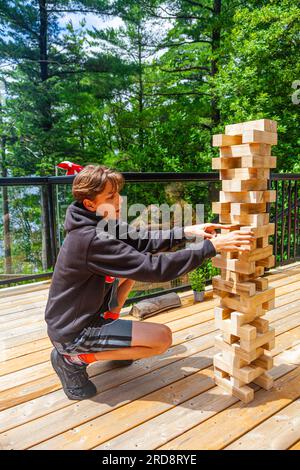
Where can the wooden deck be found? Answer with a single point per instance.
(164, 402)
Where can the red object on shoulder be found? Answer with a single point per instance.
(109, 279)
(70, 167)
(112, 315)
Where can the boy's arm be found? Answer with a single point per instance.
(151, 241)
(113, 257)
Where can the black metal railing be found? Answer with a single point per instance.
(55, 193)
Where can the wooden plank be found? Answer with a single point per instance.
(43, 405)
(259, 137)
(156, 432)
(266, 125)
(51, 425)
(227, 426)
(113, 423)
(279, 432)
(295, 446)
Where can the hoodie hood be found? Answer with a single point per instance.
(78, 216)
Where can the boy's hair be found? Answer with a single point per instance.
(92, 179)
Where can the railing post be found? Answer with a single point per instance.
(52, 222)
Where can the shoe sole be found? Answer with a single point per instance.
(59, 372)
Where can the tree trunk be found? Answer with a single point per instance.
(216, 38)
(141, 91)
(6, 218)
(46, 125)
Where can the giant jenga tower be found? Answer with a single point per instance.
(246, 339)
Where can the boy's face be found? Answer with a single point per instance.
(107, 203)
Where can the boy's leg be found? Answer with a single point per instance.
(125, 286)
(148, 339)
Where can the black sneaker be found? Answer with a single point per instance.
(74, 378)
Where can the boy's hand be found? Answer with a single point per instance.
(205, 230)
(237, 240)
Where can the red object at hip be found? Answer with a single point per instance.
(109, 279)
(112, 315)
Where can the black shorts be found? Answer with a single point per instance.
(113, 334)
(100, 335)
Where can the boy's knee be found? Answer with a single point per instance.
(163, 338)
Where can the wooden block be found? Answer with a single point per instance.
(252, 197)
(221, 207)
(238, 208)
(242, 185)
(225, 163)
(262, 231)
(265, 361)
(222, 140)
(257, 254)
(245, 173)
(233, 360)
(269, 305)
(246, 150)
(261, 125)
(267, 262)
(248, 219)
(238, 319)
(259, 298)
(258, 161)
(265, 381)
(243, 288)
(259, 271)
(259, 137)
(247, 332)
(246, 374)
(261, 283)
(234, 265)
(262, 340)
(229, 338)
(261, 325)
(253, 304)
(222, 313)
(246, 162)
(245, 393)
(262, 242)
(236, 349)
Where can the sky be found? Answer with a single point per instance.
(91, 20)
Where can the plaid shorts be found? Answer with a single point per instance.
(101, 335)
(113, 334)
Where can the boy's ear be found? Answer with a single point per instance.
(89, 205)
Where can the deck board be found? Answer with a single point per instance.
(164, 402)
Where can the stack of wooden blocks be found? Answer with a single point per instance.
(246, 339)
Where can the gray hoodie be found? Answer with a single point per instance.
(88, 254)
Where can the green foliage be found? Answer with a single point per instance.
(199, 276)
